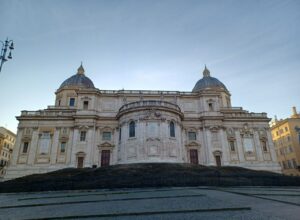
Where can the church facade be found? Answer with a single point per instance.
(88, 127)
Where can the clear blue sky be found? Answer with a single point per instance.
(253, 47)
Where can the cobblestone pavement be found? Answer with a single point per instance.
(163, 203)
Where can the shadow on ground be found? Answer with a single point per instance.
(146, 175)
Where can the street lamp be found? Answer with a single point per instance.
(7, 45)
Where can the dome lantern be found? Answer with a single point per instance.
(80, 70)
(206, 72)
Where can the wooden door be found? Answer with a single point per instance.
(80, 162)
(218, 161)
(194, 156)
(105, 157)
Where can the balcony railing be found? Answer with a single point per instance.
(246, 115)
(145, 92)
(61, 107)
(149, 103)
(47, 113)
(231, 108)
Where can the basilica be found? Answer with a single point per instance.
(90, 127)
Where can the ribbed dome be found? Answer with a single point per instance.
(208, 82)
(79, 80)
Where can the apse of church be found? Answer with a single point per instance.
(90, 127)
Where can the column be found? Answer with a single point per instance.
(33, 147)
(239, 145)
(74, 142)
(258, 149)
(69, 148)
(271, 147)
(225, 149)
(17, 147)
(54, 145)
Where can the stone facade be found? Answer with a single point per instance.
(89, 127)
(7, 142)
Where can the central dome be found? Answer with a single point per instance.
(208, 82)
(78, 80)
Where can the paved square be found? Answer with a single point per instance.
(163, 203)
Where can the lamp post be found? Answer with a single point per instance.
(8, 45)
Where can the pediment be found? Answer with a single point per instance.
(193, 144)
(80, 153)
(105, 144)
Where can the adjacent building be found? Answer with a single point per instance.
(7, 142)
(90, 127)
(286, 137)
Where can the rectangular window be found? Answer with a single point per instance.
(295, 164)
(264, 146)
(192, 136)
(231, 144)
(106, 136)
(286, 128)
(64, 131)
(85, 105)
(62, 147)
(72, 102)
(82, 135)
(284, 164)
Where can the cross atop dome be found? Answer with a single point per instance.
(80, 70)
(206, 72)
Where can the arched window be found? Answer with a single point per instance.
(210, 107)
(172, 129)
(132, 129)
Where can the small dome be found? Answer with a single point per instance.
(208, 82)
(79, 80)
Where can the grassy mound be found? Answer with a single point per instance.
(146, 175)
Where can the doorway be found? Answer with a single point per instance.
(105, 157)
(218, 160)
(194, 156)
(80, 162)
